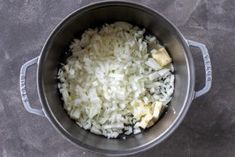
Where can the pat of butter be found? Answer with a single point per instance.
(145, 120)
(156, 113)
(161, 56)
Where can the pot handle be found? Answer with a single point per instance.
(207, 65)
(23, 91)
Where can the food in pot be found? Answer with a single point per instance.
(117, 80)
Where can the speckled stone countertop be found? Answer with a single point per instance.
(208, 130)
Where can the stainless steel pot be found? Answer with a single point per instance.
(94, 15)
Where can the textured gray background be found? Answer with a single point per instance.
(209, 127)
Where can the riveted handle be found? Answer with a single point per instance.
(24, 96)
(207, 66)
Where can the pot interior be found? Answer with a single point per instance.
(54, 53)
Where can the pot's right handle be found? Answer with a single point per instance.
(207, 64)
(23, 92)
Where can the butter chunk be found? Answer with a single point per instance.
(145, 120)
(161, 56)
(156, 113)
(157, 109)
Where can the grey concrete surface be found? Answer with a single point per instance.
(209, 127)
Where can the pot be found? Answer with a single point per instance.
(53, 53)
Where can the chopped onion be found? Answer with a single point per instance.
(110, 82)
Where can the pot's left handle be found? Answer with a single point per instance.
(23, 91)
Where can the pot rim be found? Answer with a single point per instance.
(146, 146)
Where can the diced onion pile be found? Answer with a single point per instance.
(117, 80)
